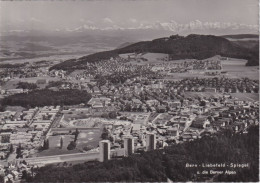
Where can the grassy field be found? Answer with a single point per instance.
(14, 108)
(236, 68)
(12, 83)
(240, 96)
(246, 96)
(88, 138)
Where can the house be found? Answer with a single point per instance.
(187, 137)
(104, 89)
(152, 102)
(238, 126)
(175, 104)
(136, 101)
(99, 102)
(200, 122)
(96, 90)
(173, 131)
(136, 128)
(41, 81)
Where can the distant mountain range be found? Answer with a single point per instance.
(145, 30)
(178, 47)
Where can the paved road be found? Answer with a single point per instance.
(63, 158)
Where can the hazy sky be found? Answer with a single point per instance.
(125, 13)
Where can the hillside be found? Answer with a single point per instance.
(169, 163)
(124, 45)
(178, 47)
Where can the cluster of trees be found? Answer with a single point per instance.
(12, 66)
(2, 178)
(54, 84)
(110, 115)
(169, 163)
(46, 144)
(47, 97)
(105, 134)
(26, 85)
(72, 145)
(19, 151)
(61, 143)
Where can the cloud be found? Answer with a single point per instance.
(108, 20)
(86, 21)
(20, 20)
(133, 20)
(32, 19)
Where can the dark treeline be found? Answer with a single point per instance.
(11, 66)
(169, 163)
(26, 85)
(47, 97)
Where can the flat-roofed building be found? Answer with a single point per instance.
(128, 145)
(104, 150)
(150, 141)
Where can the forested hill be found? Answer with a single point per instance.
(179, 47)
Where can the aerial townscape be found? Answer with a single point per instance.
(171, 109)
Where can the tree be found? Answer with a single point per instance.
(202, 103)
(1, 178)
(128, 107)
(72, 145)
(112, 115)
(25, 85)
(76, 135)
(61, 143)
(11, 148)
(19, 151)
(105, 134)
(46, 144)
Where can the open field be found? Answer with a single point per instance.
(246, 96)
(12, 83)
(88, 138)
(61, 158)
(240, 96)
(236, 68)
(233, 68)
(14, 108)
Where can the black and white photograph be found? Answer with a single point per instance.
(129, 91)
